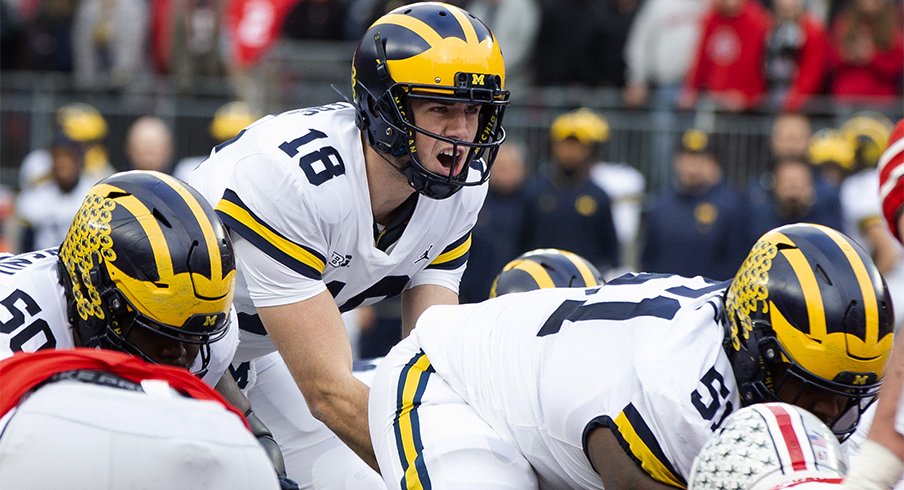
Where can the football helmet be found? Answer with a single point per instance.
(868, 133)
(766, 446)
(146, 251)
(230, 119)
(583, 125)
(809, 308)
(432, 51)
(829, 146)
(81, 122)
(545, 268)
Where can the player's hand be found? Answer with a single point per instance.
(266, 440)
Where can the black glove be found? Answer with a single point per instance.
(266, 440)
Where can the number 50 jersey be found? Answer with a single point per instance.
(294, 193)
(641, 355)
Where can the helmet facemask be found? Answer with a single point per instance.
(393, 110)
(436, 52)
(766, 373)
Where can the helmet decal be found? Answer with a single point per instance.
(749, 293)
(145, 249)
(88, 240)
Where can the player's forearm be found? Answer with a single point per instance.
(342, 406)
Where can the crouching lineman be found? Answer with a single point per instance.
(332, 464)
(91, 418)
(146, 268)
(621, 385)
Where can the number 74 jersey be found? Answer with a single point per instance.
(641, 355)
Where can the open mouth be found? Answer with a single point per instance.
(451, 161)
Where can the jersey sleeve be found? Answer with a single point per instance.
(638, 432)
(891, 179)
(282, 259)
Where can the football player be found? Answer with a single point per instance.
(86, 418)
(880, 462)
(621, 385)
(343, 205)
(146, 268)
(770, 446)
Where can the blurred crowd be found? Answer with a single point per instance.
(740, 54)
(779, 57)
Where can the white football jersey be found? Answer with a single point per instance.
(641, 355)
(293, 191)
(33, 312)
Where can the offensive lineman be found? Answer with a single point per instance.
(146, 268)
(621, 385)
(346, 204)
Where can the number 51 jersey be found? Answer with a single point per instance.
(293, 191)
(641, 355)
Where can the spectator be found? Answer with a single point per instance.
(47, 36)
(515, 23)
(659, 48)
(789, 138)
(562, 50)
(833, 156)
(729, 59)
(185, 40)
(565, 208)
(47, 209)
(227, 122)
(693, 228)
(109, 43)
(315, 19)
(78, 122)
(149, 145)
(867, 55)
(611, 22)
(496, 238)
(792, 199)
(796, 53)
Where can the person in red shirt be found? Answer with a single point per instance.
(728, 64)
(867, 53)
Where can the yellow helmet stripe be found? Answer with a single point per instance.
(589, 278)
(809, 286)
(210, 239)
(466, 26)
(150, 225)
(870, 302)
(417, 26)
(536, 271)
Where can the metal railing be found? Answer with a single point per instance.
(297, 74)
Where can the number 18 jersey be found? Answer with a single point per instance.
(641, 355)
(293, 191)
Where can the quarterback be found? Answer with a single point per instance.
(343, 205)
(620, 386)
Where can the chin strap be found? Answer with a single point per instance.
(266, 440)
